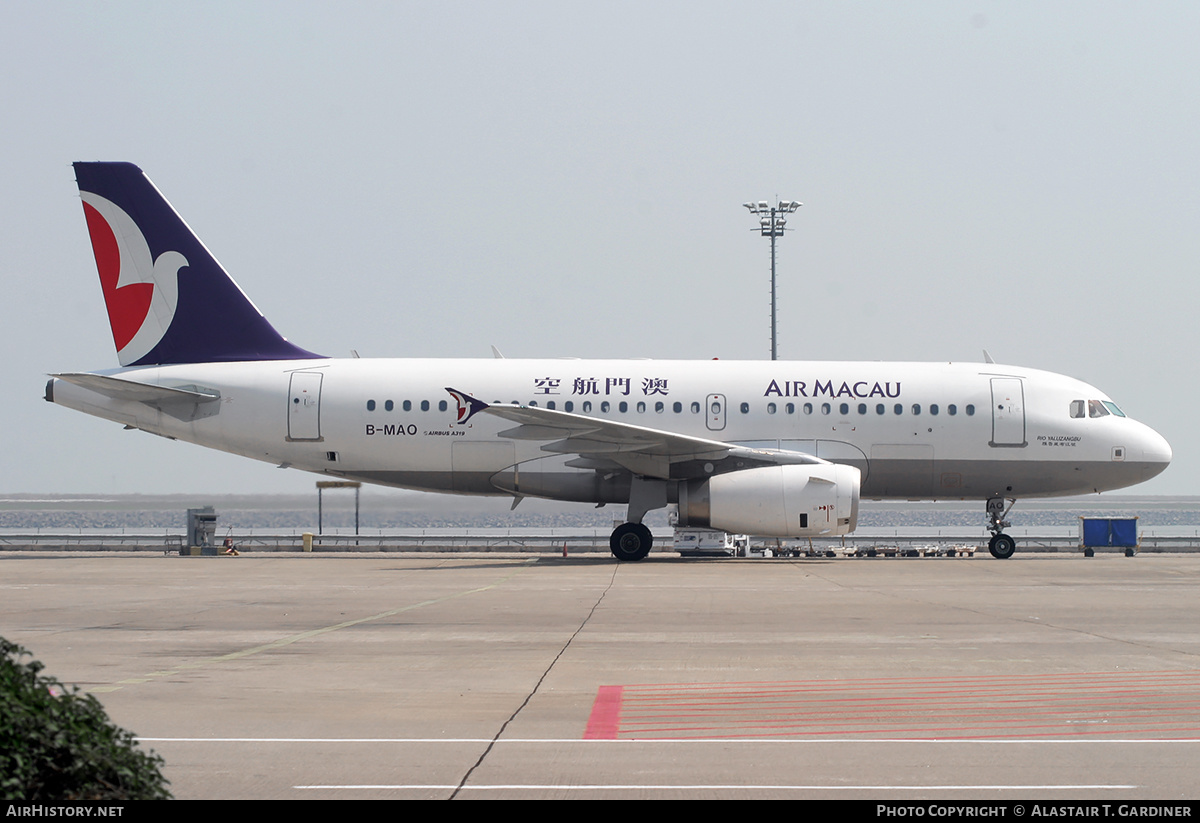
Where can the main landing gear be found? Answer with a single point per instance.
(1001, 545)
(632, 540)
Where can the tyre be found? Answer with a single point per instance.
(630, 541)
(1002, 546)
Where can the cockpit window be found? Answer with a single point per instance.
(1095, 408)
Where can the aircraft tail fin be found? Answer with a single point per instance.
(169, 300)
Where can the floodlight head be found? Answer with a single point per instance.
(762, 204)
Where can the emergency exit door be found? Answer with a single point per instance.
(714, 412)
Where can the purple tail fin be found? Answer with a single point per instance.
(169, 300)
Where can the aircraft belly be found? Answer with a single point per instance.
(578, 486)
(981, 479)
(904, 470)
(473, 462)
(430, 481)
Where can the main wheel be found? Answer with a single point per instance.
(630, 541)
(1002, 546)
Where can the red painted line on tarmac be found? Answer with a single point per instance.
(605, 722)
(1068, 706)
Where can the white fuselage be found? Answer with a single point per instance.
(914, 430)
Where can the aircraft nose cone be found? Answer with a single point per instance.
(1155, 452)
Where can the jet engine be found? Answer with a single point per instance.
(774, 501)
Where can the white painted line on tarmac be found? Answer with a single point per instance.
(1072, 787)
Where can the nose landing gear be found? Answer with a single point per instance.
(1001, 545)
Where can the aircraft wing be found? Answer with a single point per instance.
(606, 444)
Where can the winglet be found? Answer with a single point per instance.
(468, 406)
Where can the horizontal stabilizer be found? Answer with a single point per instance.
(180, 402)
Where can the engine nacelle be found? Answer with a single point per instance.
(774, 501)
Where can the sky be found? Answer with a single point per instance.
(566, 180)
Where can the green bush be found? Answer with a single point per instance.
(57, 744)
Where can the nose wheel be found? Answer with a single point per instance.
(1002, 546)
(630, 541)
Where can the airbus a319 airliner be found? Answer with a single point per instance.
(772, 448)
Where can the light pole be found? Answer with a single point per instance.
(771, 222)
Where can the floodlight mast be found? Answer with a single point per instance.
(771, 223)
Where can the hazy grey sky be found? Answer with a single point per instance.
(564, 179)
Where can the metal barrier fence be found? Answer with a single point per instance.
(544, 542)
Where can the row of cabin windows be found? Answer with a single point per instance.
(864, 408)
(677, 407)
(407, 405)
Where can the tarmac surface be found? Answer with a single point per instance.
(1051, 677)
